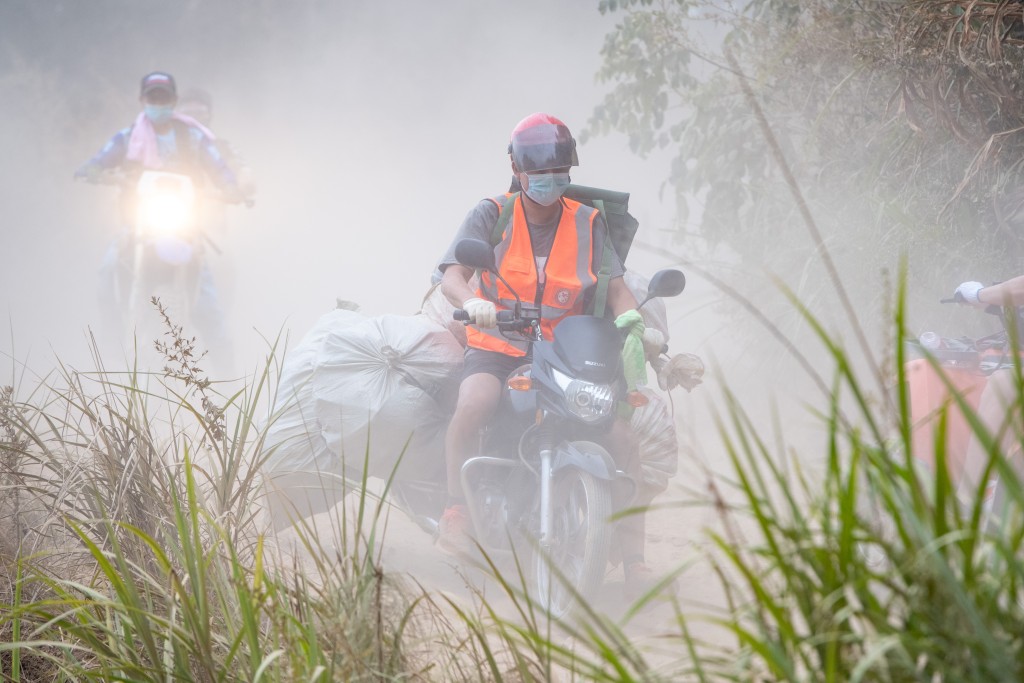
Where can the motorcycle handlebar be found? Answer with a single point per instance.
(111, 177)
(119, 178)
(991, 310)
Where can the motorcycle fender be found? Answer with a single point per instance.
(586, 456)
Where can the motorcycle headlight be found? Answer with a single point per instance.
(588, 401)
(164, 214)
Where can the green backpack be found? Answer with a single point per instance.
(622, 226)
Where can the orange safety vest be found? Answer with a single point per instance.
(568, 274)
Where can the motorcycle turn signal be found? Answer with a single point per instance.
(520, 383)
(637, 399)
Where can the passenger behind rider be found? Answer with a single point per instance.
(549, 238)
(197, 104)
(160, 139)
(998, 405)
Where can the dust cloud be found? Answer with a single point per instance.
(371, 128)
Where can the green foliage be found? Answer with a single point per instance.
(876, 571)
(902, 122)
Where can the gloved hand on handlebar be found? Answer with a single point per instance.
(967, 293)
(90, 173)
(482, 312)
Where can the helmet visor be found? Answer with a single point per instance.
(543, 147)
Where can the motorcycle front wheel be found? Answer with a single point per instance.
(573, 562)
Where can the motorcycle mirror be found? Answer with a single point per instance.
(475, 254)
(479, 254)
(669, 282)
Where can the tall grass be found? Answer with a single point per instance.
(134, 552)
(146, 561)
(875, 571)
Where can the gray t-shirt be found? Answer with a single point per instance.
(479, 223)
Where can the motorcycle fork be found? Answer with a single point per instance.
(134, 292)
(545, 450)
(545, 498)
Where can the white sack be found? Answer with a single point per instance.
(659, 448)
(653, 312)
(383, 381)
(298, 467)
(438, 309)
(350, 382)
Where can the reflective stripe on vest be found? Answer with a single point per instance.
(568, 274)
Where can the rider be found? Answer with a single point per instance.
(998, 404)
(550, 251)
(197, 104)
(160, 139)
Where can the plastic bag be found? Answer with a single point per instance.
(358, 391)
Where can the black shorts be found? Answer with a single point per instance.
(491, 363)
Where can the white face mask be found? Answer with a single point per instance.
(546, 188)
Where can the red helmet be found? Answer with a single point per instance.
(540, 142)
(158, 86)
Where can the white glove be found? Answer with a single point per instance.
(654, 340)
(481, 311)
(968, 293)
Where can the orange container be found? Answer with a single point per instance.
(928, 397)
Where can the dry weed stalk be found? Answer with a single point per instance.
(959, 64)
(183, 365)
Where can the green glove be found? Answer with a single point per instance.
(634, 362)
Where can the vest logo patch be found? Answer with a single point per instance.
(562, 296)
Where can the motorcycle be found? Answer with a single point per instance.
(964, 366)
(542, 487)
(165, 245)
(163, 253)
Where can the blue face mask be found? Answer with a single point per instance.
(546, 188)
(157, 113)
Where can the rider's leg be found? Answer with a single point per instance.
(479, 394)
(111, 294)
(998, 410)
(478, 398)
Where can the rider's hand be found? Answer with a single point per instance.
(967, 293)
(89, 173)
(482, 312)
(654, 342)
